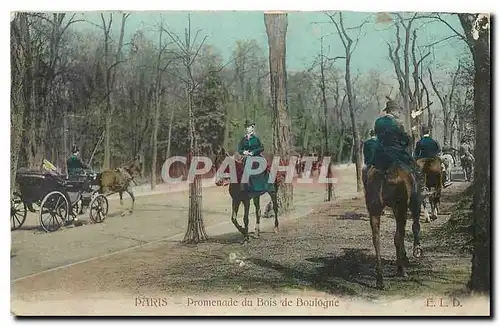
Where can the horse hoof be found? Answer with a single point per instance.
(417, 252)
(257, 233)
(276, 230)
(122, 214)
(380, 285)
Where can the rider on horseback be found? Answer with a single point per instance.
(428, 148)
(393, 142)
(368, 152)
(250, 145)
(465, 150)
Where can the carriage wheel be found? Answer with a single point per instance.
(98, 208)
(18, 211)
(54, 211)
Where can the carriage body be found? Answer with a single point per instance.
(58, 198)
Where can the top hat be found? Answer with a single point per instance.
(391, 106)
(249, 123)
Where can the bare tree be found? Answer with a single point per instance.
(446, 103)
(110, 73)
(276, 27)
(349, 47)
(477, 35)
(188, 53)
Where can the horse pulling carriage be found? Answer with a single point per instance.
(60, 199)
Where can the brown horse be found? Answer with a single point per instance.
(433, 180)
(118, 181)
(397, 189)
(240, 194)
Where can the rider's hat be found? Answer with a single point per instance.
(372, 132)
(74, 149)
(391, 106)
(249, 123)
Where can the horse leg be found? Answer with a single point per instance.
(399, 238)
(121, 204)
(234, 215)
(425, 204)
(246, 206)
(131, 194)
(256, 202)
(415, 203)
(274, 199)
(375, 224)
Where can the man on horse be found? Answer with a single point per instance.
(465, 150)
(250, 145)
(368, 152)
(75, 164)
(466, 157)
(428, 148)
(393, 142)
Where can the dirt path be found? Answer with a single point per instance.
(326, 253)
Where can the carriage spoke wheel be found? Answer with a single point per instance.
(18, 212)
(54, 211)
(98, 209)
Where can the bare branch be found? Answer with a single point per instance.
(462, 36)
(442, 40)
(344, 42)
(199, 48)
(334, 58)
(443, 103)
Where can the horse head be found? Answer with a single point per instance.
(134, 167)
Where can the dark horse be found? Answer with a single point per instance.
(240, 194)
(433, 180)
(119, 180)
(395, 189)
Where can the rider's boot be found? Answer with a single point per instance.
(419, 175)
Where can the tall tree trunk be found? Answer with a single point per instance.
(356, 143)
(323, 100)
(156, 115)
(276, 27)
(170, 124)
(480, 48)
(196, 229)
(20, 55)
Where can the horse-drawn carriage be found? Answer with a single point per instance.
(60, 199)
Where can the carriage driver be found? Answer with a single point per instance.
(75, 164)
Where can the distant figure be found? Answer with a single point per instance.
(368, 152)
(426, 147)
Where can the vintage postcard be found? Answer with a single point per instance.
(196, 163)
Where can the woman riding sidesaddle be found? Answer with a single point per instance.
(250, 145)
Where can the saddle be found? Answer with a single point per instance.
(430, 165)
